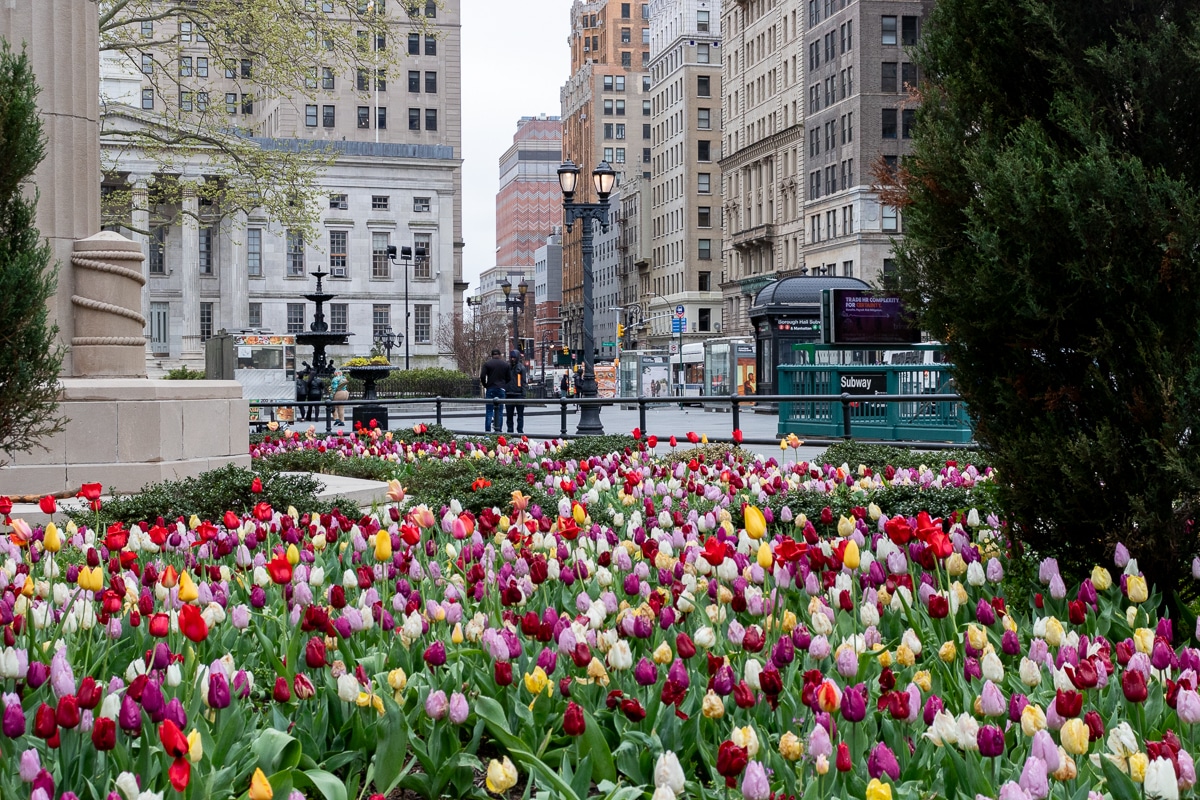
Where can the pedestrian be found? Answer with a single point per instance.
(301, 394)
(493, 377)
(316, 392)
(338, 386)
(564, 386)
(518, 377)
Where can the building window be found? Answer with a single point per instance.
(231, 103)
(704, 216)
(909, 30)
(704, 119)
(608, 107)
(889, 123)
(422, 323)
(327, 116)
(337, 253)
(645, 11)
(625, 11)
(381, 267)
(431, 45)
(704, 246)
(160, 328)
(295, 254)
(338, 201)
(848, 269)
(206, 251)
(609, 156)
(339, 318)
(702, 21)
(626, 35)
(645, 108)
(414, 81)
(890, 219)
(327, 81)
(620, 130)
(423, 256)
(888, 26)
(254, 252)
(620, 155)
(381, 319)
(848, 36)
(704, 182)
(158, 250)
(185, 31)
(646, 130)
(702, 54)
(254, 318)
(414, 119)
(430, 8)
(704, 150)
(206, 321)
(310, 116)
(908, 118)
(889, 266)
(887, 76)
(364, 116)
(202, 101)
(247, 104)
(202, 67)
(431, 82)
(704, 281)
(185, 101)
(626, 59)
(380, 202)
(381, 41)
(703, 87)
(231, 68)
(147, 28)
(421, 204)
(909, 76)
(814, 184)
(147, 98)
(295, 317)
(608, 130)
(246, 68)
(310, 78)
(431, 119)
(414, 44)
(645, 36)
(705, 320)
(147, 63)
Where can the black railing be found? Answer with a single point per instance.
(444, 408)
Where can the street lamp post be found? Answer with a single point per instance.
(681, 368)
(387, 340)
(545, 346)
(406, 255)
(517, 305)
(603, 178)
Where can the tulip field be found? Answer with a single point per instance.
(656, 625)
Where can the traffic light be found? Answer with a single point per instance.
(566, 351)
(620, 330)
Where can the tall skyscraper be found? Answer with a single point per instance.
(685, 80)
(606, 114)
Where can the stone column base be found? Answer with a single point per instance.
(125, 433)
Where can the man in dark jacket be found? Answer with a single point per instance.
(494, 378)
(518, 377)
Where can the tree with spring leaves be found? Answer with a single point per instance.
(275, 50)
(472, 337)
(1052, 242)
(29, 356)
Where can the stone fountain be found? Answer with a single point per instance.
(319, 335)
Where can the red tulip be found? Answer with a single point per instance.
(303, 686)
(5, 505)
(192, 624)
(693, 437)
(843, 757)
(176, 746)
(48, 505)
(279, 568)
(898, 530)
(652, 441)
(160, 625)
(673, 442)
(502, 672)
(633, 710)
(1077, 612)
(1095, 725)
(281, 693)
(256, 485)
(231, 520)
(637, 433)
(684, 646)
(1084, 676)
(44, 723)
(731, 760)
(737, 436)
(314, 653)
(714, 551)
(89, 693)
(89, 491)
(1133, 685)
(1068, 704)
(67, 714)
(104, 734)
(939, 606)
(573, 721)
(263, 511)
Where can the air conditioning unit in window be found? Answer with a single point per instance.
(587, 48)
(337, 272)
(343, 205)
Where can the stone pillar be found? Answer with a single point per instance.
(235, 308)
(109, 339)
(189, 268)
(62, 40)
(140, 219)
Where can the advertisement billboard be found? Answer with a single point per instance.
(858, 317)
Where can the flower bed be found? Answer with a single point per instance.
(653, 626)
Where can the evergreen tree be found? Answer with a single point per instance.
(29, 356)
(1052, 241)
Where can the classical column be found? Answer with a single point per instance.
(62, 40)
(189, 268)
(140, 219)
(235, 289)
(108, 340)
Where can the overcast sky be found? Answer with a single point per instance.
(514, 60)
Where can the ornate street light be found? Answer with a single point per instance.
(517, 305)
(603, 179)
(387, 340)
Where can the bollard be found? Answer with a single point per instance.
(846, 416)
(496, 422)
(642, 416)
(562, 403)
(438, 408)
(737, 413)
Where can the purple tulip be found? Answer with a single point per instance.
(1187, 706)
(1047, 570)
(819, 742)
(130, 716)
(1010, 644)
(784, 652)
(722, 682)
(645, 673)
(218, 690)
(1162, 655)
(854, 703)
(1087, 592)
(62, 678)
(932, 705)
(44, 782)
(1013, 791)
(435, 654)
(258, 597)
(1016, 705)
(1121, 556)
(847, 662)
(241, 684)
(882, 761)
(755, 785)
(30, 765)
(818, 648)
(436, 704)
(991, 700)
(547, 660)
(14, 720)
(678, 673)
(1044, 748)
(153, 702)
(38, 674)
(458, 708)
(1034, 778)
(174, 712)
(162, 656)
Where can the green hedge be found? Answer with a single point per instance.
(431, 382)
(436, 483)
(878, 456)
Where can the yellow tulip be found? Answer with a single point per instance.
(663, 654)
(783, 444)
(397, 679)
(580, 513)
(976, 636)
(1100, 578)
(260, 787)
(536, 681)
(1074, 736)
(756, 523)
(187, 587)
(822, 764)
(766, 559)
(195, 747)
(1137, 767)
(948, 652)
(383, 546)
(1136, 586)
(713, 707)
(845, 526)
(923, 680)
(293, 555)
(851, 557)
(1033, 719)
(193, 523)
(51, 540)
(790, 747)
(704, 438)
(456, 636)
(501, 776)
(1143, 640)
(905, 656)
(877, 790)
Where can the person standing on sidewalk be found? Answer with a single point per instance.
(337, 385)
(518, 377)
(493, 377)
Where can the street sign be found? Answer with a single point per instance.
(608, 344)
(679, 325)
(674, 348)
(680, 311)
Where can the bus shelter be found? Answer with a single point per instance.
(644, 374)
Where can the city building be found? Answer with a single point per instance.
(490, 297)
(547, 292)
(762, 197)
(635, 246)
(529, 202)
(686, 90)
(606, 289)
(851, 124)
(395, 180)
(606, 117)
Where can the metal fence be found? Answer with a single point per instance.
(850, 412)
